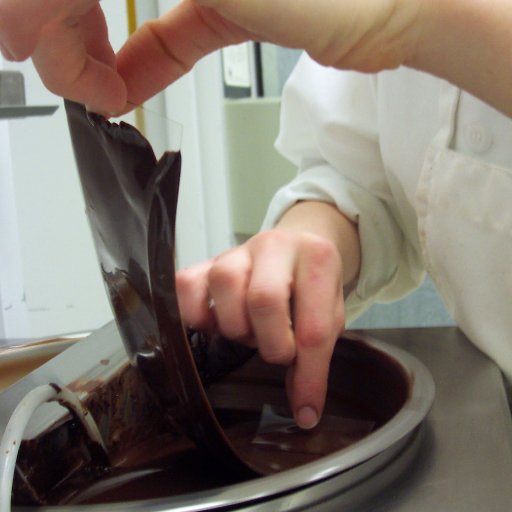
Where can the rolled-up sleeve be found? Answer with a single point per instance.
(329, 129)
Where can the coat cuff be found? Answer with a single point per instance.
(389, 268)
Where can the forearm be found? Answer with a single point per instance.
(469, 43)
(325, 220)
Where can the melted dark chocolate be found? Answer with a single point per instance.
(186, 392)
(149, 459)
(131, 201)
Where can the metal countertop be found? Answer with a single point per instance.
(465, 461)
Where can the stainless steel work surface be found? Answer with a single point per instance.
(465, 462)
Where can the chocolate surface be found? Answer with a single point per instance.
(194, 411)
(151, 460)
(11, 371)
(18, 360)
(131, 200)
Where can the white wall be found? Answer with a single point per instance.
(13, 317)
(196, 101)
(48, 267)
(49, 278)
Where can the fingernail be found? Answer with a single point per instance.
(307, 418)
(91, 110)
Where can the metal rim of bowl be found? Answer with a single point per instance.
(363, 457)
(50, 345)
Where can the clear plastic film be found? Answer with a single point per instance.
(131, 198)
(280, 432)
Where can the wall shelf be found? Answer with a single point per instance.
(20, 111)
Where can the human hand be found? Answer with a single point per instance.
(68, 43)
(281, 293)
(465, 42)
(367, 35)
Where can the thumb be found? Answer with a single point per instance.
(267, 19)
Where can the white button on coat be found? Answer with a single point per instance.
(478, 138)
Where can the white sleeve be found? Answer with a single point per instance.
(329, 129)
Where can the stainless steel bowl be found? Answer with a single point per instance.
(345, 476)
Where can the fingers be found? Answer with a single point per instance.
(311, 25)
(212, 294)
(318, 320)
(253, 286)
(76, 61)
(68, 42)
(21, 23)
(95, 35)
(163, 50)
(20, 27)
(228, 281)
(193, 296)
(367, 36)
(269, 294)
(255, 15)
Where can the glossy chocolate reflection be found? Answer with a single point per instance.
(131, 200)
(149, 459)
(194, 411)
(366, 389)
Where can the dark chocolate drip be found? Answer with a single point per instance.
(131, 201)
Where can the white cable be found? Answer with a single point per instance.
(13, 435)
(69, 400)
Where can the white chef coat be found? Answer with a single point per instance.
(425, 169)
